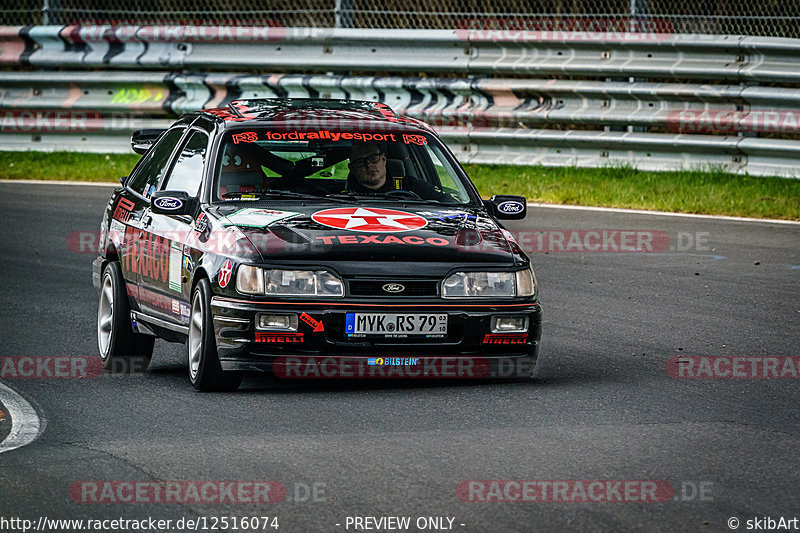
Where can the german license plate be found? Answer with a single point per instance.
(395, 325)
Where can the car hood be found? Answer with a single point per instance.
(378, 234)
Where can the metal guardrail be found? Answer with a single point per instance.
(707, 113)
(719, 57)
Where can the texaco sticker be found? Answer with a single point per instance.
(224, 276)
(369, 219)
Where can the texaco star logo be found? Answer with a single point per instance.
(224, 276)
(369, 219)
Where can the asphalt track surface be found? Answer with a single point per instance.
(603, 406)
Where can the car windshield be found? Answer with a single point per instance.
(335, 165)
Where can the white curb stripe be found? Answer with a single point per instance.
(532, 204)
(25, 423)
(65, 182)
(663, 213)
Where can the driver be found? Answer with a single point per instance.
(368, 174)
(248, 169)
(241, 174)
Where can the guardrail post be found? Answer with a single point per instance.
(640, 16)
(344, 13)
(640, 13)
(51, 12)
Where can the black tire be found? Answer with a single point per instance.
(122, 350)
(205, 372)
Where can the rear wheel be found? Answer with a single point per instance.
(205, 372)
(121, 349)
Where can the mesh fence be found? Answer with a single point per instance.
(778, 18)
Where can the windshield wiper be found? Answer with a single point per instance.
(292, 195)
(378, 197)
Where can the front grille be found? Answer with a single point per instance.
(373, 287)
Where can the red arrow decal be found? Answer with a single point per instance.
(316, 324)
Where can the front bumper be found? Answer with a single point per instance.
(468, 350)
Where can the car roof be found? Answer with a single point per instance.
(294, 111)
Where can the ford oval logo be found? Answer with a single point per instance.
(510, 206)
(393, 287)
(168, 203)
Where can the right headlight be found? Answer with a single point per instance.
(489, 284)
(280, 282)
(526, 283)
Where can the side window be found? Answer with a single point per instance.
(187, 173)
(154, 163)
(445, 177)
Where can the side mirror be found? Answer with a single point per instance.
(142, 140)
(507, 207)
(123, 179)
(171, 203)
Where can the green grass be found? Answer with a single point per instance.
(65, 166)
(691, 191)
(710, 192)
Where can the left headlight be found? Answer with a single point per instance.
(489, 284)
(250, 280)
(279, 282)
(526, 283)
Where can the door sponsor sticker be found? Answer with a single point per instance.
(175, 266)
(123, 210)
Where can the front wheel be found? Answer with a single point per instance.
(205, 372)
(121, 349)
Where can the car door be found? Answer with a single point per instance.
(166, 235)
(133, 211)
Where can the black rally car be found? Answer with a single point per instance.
(272, 232)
